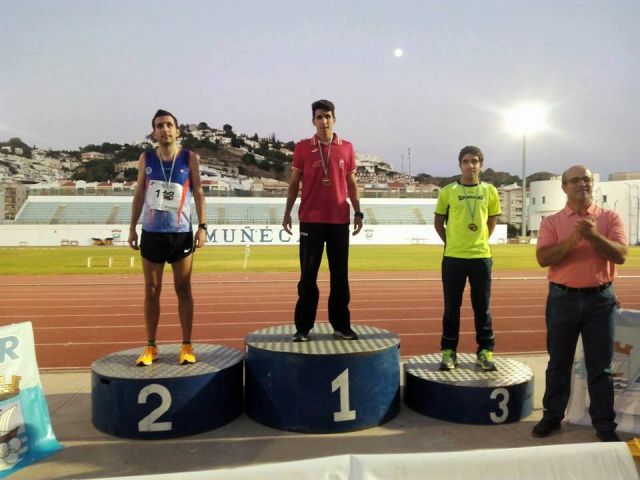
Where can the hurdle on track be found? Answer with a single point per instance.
(111, 261)
(247, 254)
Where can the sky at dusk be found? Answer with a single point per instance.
(74, 72)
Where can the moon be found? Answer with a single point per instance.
(398, 52)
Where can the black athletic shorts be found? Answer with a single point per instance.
(166, 247)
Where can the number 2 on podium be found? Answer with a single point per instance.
(341, 382)
(148, 423)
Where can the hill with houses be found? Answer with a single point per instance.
(230, 162)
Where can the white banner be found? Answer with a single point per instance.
(84, 235)
(25, 427)
(585, 461)
(626, 376)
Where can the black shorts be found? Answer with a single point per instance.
(166, 247)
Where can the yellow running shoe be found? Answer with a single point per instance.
(186, 355)
(148, 356)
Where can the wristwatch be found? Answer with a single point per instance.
(202, 226)
(359, 214)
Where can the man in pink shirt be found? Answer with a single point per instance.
(581, 245)
(326, 166)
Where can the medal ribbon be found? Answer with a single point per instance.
(325, 164)
(472, 211)
(173, 164)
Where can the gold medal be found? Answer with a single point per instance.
(326, 181)
(471, 209)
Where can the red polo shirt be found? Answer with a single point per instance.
(321, 203)
(582, 267)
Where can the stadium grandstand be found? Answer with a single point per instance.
(72, 210)
(83, 220)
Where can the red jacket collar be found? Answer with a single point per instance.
(336, 139)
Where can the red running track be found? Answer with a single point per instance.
(78, 319)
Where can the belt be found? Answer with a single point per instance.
(587, 290)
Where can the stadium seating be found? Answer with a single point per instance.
(58, 211)
(404, 214)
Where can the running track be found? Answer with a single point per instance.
(78, 319)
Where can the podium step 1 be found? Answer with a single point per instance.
(468, 394)
(166, 400)
(323, 385)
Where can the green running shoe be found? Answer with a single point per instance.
(484, 360)
(449, 360)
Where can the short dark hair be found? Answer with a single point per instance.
(473, 150)
(323, 105)
(162, 113)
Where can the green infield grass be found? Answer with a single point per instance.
(74, 260)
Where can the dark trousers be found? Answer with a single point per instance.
(313, 237)
(591, 315)
(455, 272)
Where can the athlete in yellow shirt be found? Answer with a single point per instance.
(466, 214)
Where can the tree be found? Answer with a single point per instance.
(192, 143)
(89, 148)
(203, 126)
(96, 171)
(129, 152)
(130, 174)
(265, 165)
(107, 147)
(17, 143)
(227, 130)
(513, 231)
(249, 159)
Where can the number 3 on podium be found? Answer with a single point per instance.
(503, 410)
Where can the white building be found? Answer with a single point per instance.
(511, 204)
(372, 163)
(547, 198)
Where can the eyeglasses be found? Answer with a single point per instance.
(577, 180)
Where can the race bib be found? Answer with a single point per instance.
(164, 196)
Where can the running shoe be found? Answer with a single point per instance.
(300, 337)
(545, 427)
(449, 360)
(348, 335)
(147, 357)
(608, 436)
(484, 359)
(186, 355)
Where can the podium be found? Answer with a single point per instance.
(323, 385)
(166, 400)
(468, 394)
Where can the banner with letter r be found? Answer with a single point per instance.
(26, 435)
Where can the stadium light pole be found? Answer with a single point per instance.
(523, 120)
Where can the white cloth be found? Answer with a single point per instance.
(563, 462)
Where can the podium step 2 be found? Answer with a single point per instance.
(166, 400)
